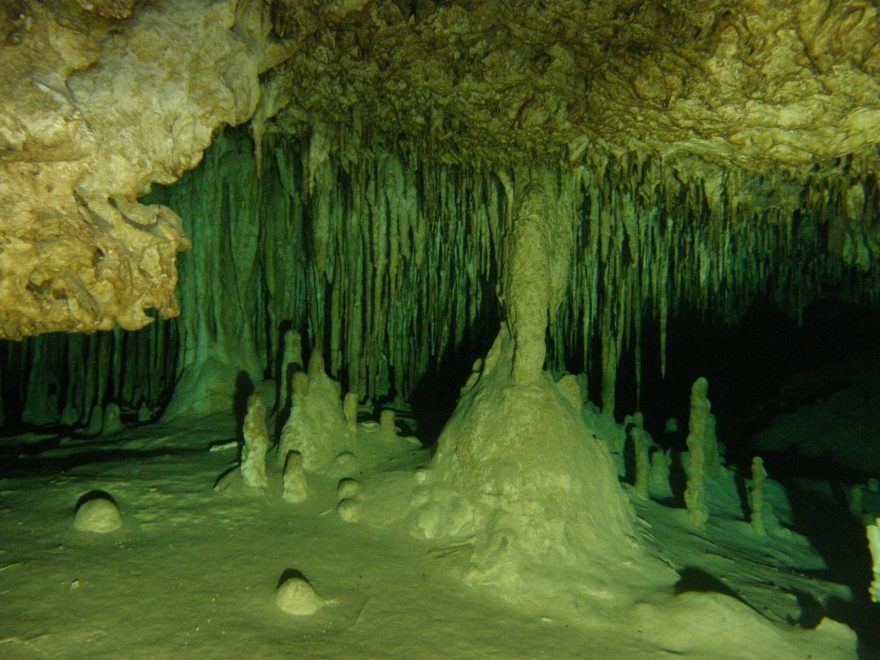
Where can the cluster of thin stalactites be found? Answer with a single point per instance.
(388, 260)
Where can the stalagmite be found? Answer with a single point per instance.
(641, 446)
(873, 532)
(515, 434)
(291, 361)
(300, 382)
(658, 483)
(387, 425)
(293, 425)
(256, 444)
(295, 484)
(112, 419)
(96, 421)
(316, 363)
(295, 595)
(350, 410)
(756, 496)
(97, 512)
(695, 495)
(144, 414)
(316, 427)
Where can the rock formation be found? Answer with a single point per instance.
(95, 110)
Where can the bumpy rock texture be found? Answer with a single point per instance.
(94, 110)
(762, 84)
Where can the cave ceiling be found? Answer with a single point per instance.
(762, 85)
(101, 99)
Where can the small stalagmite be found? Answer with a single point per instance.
(256, 444)
(873, 532)
(97, 512)
(112, 419)
(570, 388)
(291, 359)
(350, 410)
(756, 497)
(695, 495)
(387, 425)
(641, 442)
(96, 421)
(658, 483)
(316, 363)
(296, 596)
(295, 488)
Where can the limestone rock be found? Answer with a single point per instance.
(93, 111)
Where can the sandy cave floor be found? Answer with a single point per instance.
(192, 572)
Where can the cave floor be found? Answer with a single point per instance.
(192, 572)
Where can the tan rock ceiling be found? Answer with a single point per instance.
(100, 99)
(762, 85)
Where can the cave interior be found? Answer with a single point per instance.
(439, 329)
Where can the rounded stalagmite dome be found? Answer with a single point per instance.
(97, 512)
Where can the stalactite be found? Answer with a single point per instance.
(384, 258)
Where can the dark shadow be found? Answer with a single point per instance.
(244, 387)
(94, 495)
(289, 574)
(836, 535)
(739, 480)
(696, 579)
(677, 479)
(812, 611)
(435, 396)
(224, 474)
(28, 449)
(32, 466)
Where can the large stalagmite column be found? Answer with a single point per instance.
(517, 473)
(535, 271)
(527, 285)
